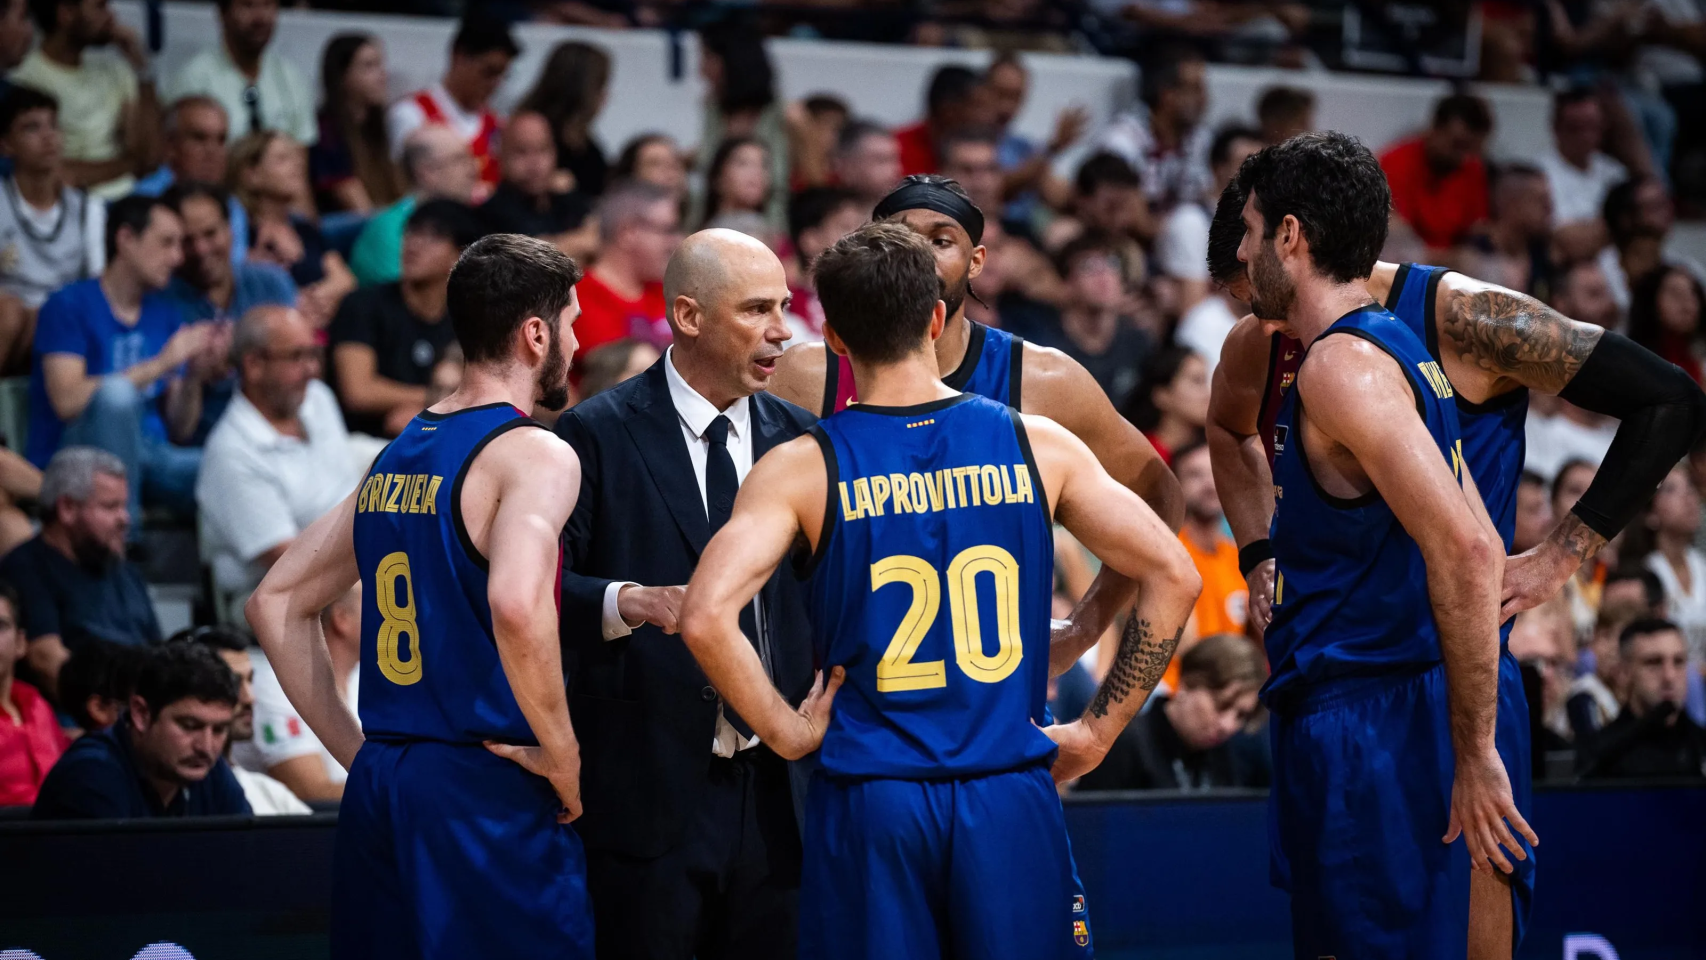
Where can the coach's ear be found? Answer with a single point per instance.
(685, 315)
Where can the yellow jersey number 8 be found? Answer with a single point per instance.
(897, 671)
(395, 593)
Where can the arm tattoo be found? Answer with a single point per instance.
(1576, 538)
(1139, 664)
(1519, 337)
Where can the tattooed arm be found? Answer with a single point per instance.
(1118, 527)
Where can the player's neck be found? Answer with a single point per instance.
(951, 345)
(1321, 302)
(483, 385)
(907, 382)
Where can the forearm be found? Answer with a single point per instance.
(731, 664)
(183, 408)
(533, 663)
(143, 136)
(45, 655)
(18, 477)
(1146, 647)
(141, 375)
(1107, 595)
(1464, 592)
(1158, 487)
(1244, 483)
(378, 394)
(291, 636)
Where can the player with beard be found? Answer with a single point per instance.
(451, 838)
(990, 362)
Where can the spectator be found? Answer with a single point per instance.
(480, 55)
(1163, 137)
(867, 162)
(1223, 605)
(1533, 512)
(613, 363)
(266, 796)
(349, 165)
(1024, 165)
(527, 201)
(571, 90)
(1171, 404)
(653, 158)
(1439, 179)
(17, 35)
(81, 588)
(817, 130)
(1542, 641)
(96, 682)
(1664, 543)
(1664, 316)
(1639, 216)
(439, 166)
(1571, 432)
(1285, 112)
(1594, 699)
(257, 86)
(108, 108)
(1579, 174)
(50, 233)
(387, 340)
(622, 295)
(162, 759)
(284, 748)
(1581, 592)
(738, 180)
(277, 460)
(266, 174)
(1094, 328)
(1108, 199)
(1652, 736)
(196, 132)
(116, 367)
(741, 102)
(1517, 241)
(950, 105)
(817, 217)
(1190, 738)
(30, 738)
(1017, 279)
(1181, 247)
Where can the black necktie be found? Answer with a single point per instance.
(721, 485)
(252, 100)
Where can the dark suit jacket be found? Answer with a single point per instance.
(643, 711)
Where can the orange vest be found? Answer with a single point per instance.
(484, 146)
(1222, 607)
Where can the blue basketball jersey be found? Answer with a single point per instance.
(931, 584)
(992, 367)
(429, 663)
(1350, 589)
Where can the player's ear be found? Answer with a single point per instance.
(974, 268)
(833, 341)
(939, 319)
(1289, 236)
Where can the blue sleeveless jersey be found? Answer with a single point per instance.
(992, 367)
(1350, 593)
(931, 585)
(429, 663)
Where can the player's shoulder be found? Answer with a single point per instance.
(530, 449)
(1341, 372)
(800, 373)
(1055, 385)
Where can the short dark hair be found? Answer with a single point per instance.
(977, 136)
(878, 286)
(1162, 70)
(184, 190)
(749, 78)
(1467, 107)
(629, 159)
(813, 205)
(182, 671)
(1226, 234)
(1563, 470)
(481, 34)
(1651, 586)
(451, 219)
(1644, 627)
(132, 213)
(819, 104)
(97, 668)
(1221, 148)
(1279, 104)
(46, 13)
(8, 592)
(1158, 370)
(1621, 211)
(857, 129)
(498, 283)
(1531, 479)
(1335, 188)
(20, 100)
(1085, 244)
(949, 84)
(1572, 96)
(215, 637)
(1105, 169)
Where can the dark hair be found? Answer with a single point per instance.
(819, 104)
(1226, 235)
(1622, 212)
(567, 91)
(1279, 104)
(749, 79)
(1221, 147)
(132, 213)
(1644, 627)
(185, 190)
(1164, 68)
(369, 148)
(183, 671)
(1651, 585)
(1467, 107)
(214, 637)
(719, 160)
(46, 13)
(1644, 326)
(950, 84)
(1564, 470)
(97, 668)
(812, 206)
(1335, 188)
(1086, 243)
(1187, 449)
(481, 34)
(1159, 370)
(878, 286)
(1222, 660)
(629, 159)
(603, 364)
(1565, 99)
(1105, 169)
(452, 220)
(977, 136)
(20, 100)
(9, 593)
(857, 129)
(1531, 479)
(498, 283)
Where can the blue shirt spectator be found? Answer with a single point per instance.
(162, 180)
(196, 129)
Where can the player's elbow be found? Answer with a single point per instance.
(1175, 575)
(698, 624)
(1474, 551)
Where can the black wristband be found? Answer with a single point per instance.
(1252, 554)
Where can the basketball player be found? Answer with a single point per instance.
(452, 838)
(922, 517)
(992, 363)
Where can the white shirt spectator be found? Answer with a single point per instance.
(259, 488)
(406, 116)
(283, 99)
(1554, 441)
(1181, 248)
(280, 732)
(1685, 608)
(91, 99)
(1579, 194)
(44, 250)
(267, 797)
(1169, 178)
(1204, 327)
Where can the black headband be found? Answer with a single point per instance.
(925, 195)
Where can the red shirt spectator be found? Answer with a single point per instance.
(622, 295)
(917, 150)
(30, 744)
(1439, 181)
(607, 315)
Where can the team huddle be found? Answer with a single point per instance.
(1366, 432)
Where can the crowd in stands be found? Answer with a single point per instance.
(226, 284)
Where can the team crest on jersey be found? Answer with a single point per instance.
(1081, 933)
(1078, 903)
(1287, 379)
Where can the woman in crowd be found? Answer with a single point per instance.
(570, 92)
(1171, 405)
(1663, 539)
(738, 180)
(1665, 309)
(265, 173)
(351, 166)
(653, 158)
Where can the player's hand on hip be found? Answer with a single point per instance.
(814, 711)
(1534, 577)
(1080, 751)
(563, 772)
(1483, 811)
(1261, 586)
(658, 606)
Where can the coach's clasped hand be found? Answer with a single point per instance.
(658, 606)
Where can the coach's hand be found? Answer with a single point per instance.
(813, 714)
(1080, 751)
(658, 606)
(564, 773)
(1261, 601)
(1484, 813)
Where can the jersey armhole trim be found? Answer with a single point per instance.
(831, 380)
(1396, 291)
(462, 537)
(968, 363)
(832, 468)
(1016, 372)
(1373, 495)
(1024, 439)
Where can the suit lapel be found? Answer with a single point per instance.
(656, 429)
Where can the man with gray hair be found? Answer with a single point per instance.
(276, 461)
(622, 295)
(438, 164)
(196, 128)
(78, 585)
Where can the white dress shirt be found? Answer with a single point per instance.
(695, 414)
